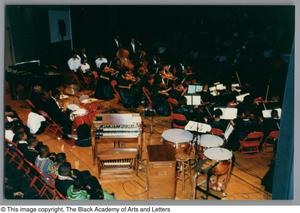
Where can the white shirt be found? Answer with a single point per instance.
(100, 61)
(74, 63)
(34, 122)
(9, 135)
(85, 67)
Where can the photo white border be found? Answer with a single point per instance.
(296, 200)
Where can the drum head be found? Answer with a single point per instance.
(209, 141)
(218, 154)
(177, 136)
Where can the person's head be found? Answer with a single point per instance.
(37, 88)
(83, 50)
(44, 151)
(103, 66)
(274, 114)
(33, 143)
(74, 54)
(9, 125)
(65, 169)
(84, 61)
(8, 108)
(60, 158)
(217, 114)
(20, 136)
(205, 87)
(77, 185)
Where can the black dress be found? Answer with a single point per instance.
(160, 102)
(128, 96)
(104, 89)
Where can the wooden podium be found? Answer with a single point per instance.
(161, 172)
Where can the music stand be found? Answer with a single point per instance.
(193, 100)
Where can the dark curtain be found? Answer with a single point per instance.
(283, 180)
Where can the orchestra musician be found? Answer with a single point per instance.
(128, 90)
(104, 89)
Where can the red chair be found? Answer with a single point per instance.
(114, 84)
(216, 131)
(148, 95)
(250, 144)
(173, 103)
(16, 157)
(53, 127)
(30, 104)
(178, 120)
(270, 141)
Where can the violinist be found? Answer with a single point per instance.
(160, 99)
(99, 60)
(128, 91)
(178, 90)
(104, 89)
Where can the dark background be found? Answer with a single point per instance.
(195, 35)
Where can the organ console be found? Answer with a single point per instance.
(116, 142)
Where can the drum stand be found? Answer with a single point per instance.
(206, 191)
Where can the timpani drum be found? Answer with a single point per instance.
(178, 138)
(210, 141)
(221, 155)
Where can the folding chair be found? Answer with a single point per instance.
(270, 141)
(53, 127)
(178, 120)
(250, 144)
(217, 131)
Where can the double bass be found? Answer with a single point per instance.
(123, 55)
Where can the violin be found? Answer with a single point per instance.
(110, 70)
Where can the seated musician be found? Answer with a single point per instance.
(104, 89)
(178, 91)
(53, 109)
(128, 90)
(216, 121)
(84, 67)
(74, 62)
(205, 94)
(82, 54)
(100, 59)
(160, 99)
(270, 124)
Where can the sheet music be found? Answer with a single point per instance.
(228, 113)
(197, 127)
(220, 87)
(192, 89)
(267, 113)
(240, 98)
(193, 100)
(212, 88)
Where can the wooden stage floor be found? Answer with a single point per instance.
(244, 183)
